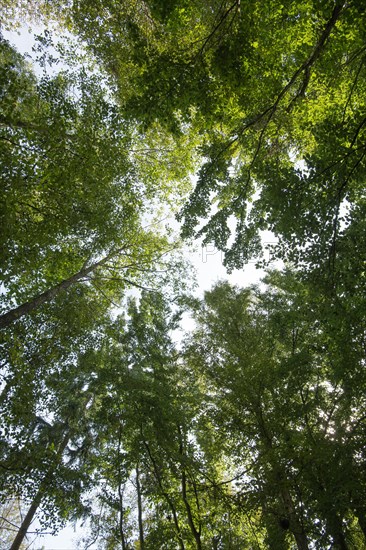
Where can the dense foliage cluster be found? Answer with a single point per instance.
(250, 432)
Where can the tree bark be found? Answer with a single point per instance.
(25, 309)
(191, 524)
(120, 491)
(295, 526)
(121, 531)
(23, 529)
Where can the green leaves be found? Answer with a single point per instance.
(271, 365)
(241, 438)
(274, 95)
(74, 209)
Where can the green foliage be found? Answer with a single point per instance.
(271, 364)
(276, 92)
(250, 434)
(78, 231)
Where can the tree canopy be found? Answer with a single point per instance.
(236, 118)
(277, 91)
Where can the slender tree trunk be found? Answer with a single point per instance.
(37, 500)
(120, 491)
(23, 529)
(191, 524)
(7, 318)
(121, 531)
(196, 533)
(139, 507)
(166, 496)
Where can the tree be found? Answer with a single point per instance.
(156, 458)
(241, 439)
(272, 384)
(70, 196)
(46, 457)
(290, 137)
(79, 231)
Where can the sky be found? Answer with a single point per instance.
(208, 264)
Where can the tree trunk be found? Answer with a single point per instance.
(120, 491)
(121, 531)
(196, 533)
(295, 526)
(23, 529)
(191, 524)
(166, 496)
(7, 318)
(139, 507)
(37, 500)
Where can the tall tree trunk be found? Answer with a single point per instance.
(23, 529)
(191, 524)
(295, 525)
(120, 491)
(121, 530)
(165, 495)
(139, 507)
(7, 318)
(37, 499)
(196, 533)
